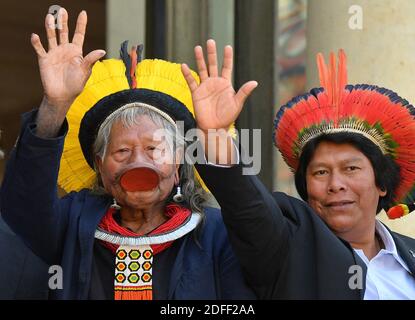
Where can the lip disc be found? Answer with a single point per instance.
(139, 179)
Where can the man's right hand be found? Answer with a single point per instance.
(64, 70)
(216, 103)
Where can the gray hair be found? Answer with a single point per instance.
(194, 195)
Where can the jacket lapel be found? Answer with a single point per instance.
(362, 264)
(177, 271)
(94, 208)
(406, 252)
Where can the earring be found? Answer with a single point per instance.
(178, 197)
(115, 205)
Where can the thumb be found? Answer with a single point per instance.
(93, 57)
(244, 92)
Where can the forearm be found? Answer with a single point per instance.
(257, 228)
(50, 117)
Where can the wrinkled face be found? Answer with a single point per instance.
(341, 187)
(138, 146)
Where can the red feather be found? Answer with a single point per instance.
(133, 57)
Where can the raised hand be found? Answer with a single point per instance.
(63, 69)
(215, 102)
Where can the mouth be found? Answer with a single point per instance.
(339, 205)
(139, 180)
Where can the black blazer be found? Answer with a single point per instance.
(22, 274)
(286, 250)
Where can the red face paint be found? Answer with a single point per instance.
(139, 179)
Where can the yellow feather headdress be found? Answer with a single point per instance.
(109, 77)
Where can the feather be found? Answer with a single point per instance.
(140, 48)
(133, 57)
(125, 57)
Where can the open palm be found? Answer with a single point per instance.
(63, 69)
(215, 101)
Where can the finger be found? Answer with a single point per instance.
(227, 63)
(50, 31)
(244, 92)
(212, 58)
(63, 26)
(37, 45)
(201, 64)
(191, 81)
(79, 35)
(92, 57)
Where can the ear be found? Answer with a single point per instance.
(179, 158)
(98, 163)
(382, 192)
(176, 177)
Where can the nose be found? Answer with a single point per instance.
(336, 183)
(139, 157)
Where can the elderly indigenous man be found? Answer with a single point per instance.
(351, 148)
(142, 231)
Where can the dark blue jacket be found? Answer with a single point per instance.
(22, 274)
(61, 231)
(296, 255)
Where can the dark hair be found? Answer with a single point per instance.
(386, 170)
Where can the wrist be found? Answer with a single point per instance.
(218, 146)
(50, 117)
(56, 104)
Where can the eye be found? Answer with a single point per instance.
(320, 172)
(123, 150)
(352, 168)
(151, 148)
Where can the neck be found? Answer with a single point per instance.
(142, 221)
(370, 242)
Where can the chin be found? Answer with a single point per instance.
(339, 225)
(140, 201)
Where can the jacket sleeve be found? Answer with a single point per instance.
(258, 230)
(29, 200)
(230, 280)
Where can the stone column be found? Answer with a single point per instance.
(125, 21)
(378, 37)
(190, 23)
(255, 59)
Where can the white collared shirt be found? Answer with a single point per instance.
(388, 277)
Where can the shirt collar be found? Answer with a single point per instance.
(389, 243)
(386, 237)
